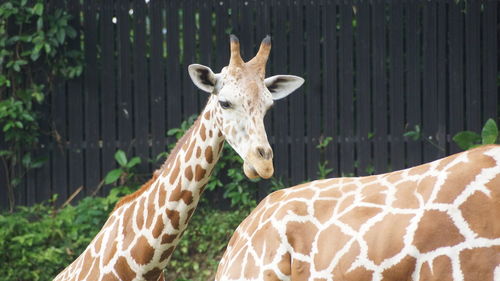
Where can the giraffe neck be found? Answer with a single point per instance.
(140, 235)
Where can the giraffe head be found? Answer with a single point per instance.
(243, 97)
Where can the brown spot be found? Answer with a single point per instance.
(385, 238)
(236, 268)
(122, 268)
(285, 264)
(207, 115)
(150, 215)
(405, 196)
(348, 188)
(198, 152)
(479, 263)
(330, 241)
(189, 153)
(94, 272)
(174, 217)
(300, 270)
(98, 242)
(462, 175)
(441, 270)
(110, 247)
(158, 226)
(175, 172)
(251, 269)
(187, 196)
(202, 132)
(153, 274)
(394, 177)
(358, 216)
(327, 183)
(374, 193)
(436, 230)
(299, 192)
(208, 154)
(419, 170)
(128, 234)
(368, 179)
(481, 211)
(425, 187)
(167, 238)
(269, 275)
(210, 133)
(167, 254)
(445, 161)
(332, 192)
(140, 212)
(300, 235)
(87, 263)
(142, 252)
(268, 239)
(199, 173)
(188, 172)
(110, 277)
(401, 270)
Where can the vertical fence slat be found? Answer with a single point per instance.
(363, 93)
(173, 76)
(346, 87)
(330, 93)
(472, 67)
(313, 90)
(222, 38)
(157, 78)
(108, 89)
(456, 72)
(396, 90)
(91, 95)
(441, 125)
(75, 119)
(124, 97)
(189, 92)
(280, 111)
(490, 60)
(379, 87)
(59, 171)
(297, 99)
(141, 94)
(429, 87)
(414, 147)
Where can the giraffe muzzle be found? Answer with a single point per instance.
(257, 166)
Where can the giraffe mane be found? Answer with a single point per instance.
(156, 174)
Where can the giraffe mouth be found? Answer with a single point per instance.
(264, 169)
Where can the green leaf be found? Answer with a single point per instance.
(466, 139)
(490, 132)
(26, 160)
(134, 161)
(112, 176)
(38, 9)
(121, 158)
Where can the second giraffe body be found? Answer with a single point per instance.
(439, 221)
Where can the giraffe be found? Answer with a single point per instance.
(141, 233)
(437, 221)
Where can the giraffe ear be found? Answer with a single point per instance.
(203, 77)
(281, 86)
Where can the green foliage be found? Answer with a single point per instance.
(415, 134)
(34, 50)
(468, 139)
(126, 170)
(323, 170)
(38, 242)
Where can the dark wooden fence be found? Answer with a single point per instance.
(373, 70)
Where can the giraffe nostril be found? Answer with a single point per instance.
(264, 153)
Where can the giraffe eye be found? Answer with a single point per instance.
(225, 104)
